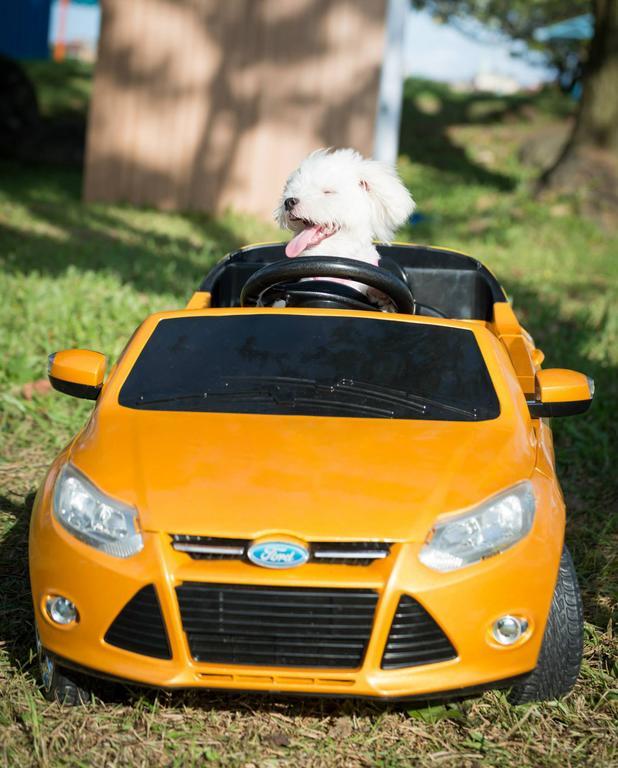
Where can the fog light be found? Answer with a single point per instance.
(508, 629)
(61, 610)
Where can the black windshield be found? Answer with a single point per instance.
(312, 365)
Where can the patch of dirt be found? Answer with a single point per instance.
(590, 175)
(541, 148)
(38, 387)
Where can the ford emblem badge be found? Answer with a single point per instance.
(278, 554)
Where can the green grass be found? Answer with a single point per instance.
(77, 275)
(63, 88)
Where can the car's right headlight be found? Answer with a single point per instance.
(94, 518)
(492, 527)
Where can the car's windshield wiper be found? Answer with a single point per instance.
(212, 395)
(404, 397)
(395, 397)
(275, 397)
(296, 390)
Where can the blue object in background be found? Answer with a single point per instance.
(82, 22)
(417, 218)
(24, 28)
(575, 28)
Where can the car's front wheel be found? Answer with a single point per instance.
(561, 652)
(59, 684)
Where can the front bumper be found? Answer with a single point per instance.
(464, 603)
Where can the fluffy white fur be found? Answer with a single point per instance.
(342, 202)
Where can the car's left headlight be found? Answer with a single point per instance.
(492, 527)
(94, 518)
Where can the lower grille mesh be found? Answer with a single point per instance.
(267, 626)
(139, 626)
(415, 638)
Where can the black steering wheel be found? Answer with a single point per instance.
(281, 280)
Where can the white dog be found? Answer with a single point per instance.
(338, 202)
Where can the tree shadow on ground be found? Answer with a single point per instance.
(16, 628)
(62, 87)
(431, 109)
(106, 239)
(55, 134)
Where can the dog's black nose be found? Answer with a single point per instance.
(289, 203)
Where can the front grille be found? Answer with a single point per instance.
(415, 638)
(139, 626)
(334, 553)
(273, 626)
(349, 553)
(209, 547)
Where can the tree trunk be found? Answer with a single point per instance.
(596, 122)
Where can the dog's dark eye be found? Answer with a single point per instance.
(328, 191)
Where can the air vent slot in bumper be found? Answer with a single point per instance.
(139, 627)
(415, 638)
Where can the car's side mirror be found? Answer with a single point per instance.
(561, 393)
(77, 372)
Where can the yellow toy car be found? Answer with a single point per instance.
(283, 488)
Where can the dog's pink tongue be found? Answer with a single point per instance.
(302, 241)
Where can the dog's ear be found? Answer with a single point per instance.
(391, 203)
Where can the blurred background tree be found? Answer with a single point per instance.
(596, 122)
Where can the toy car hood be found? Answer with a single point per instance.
(233, 475)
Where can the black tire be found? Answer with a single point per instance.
(560, 658)
(59, 684)
(66, 690)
